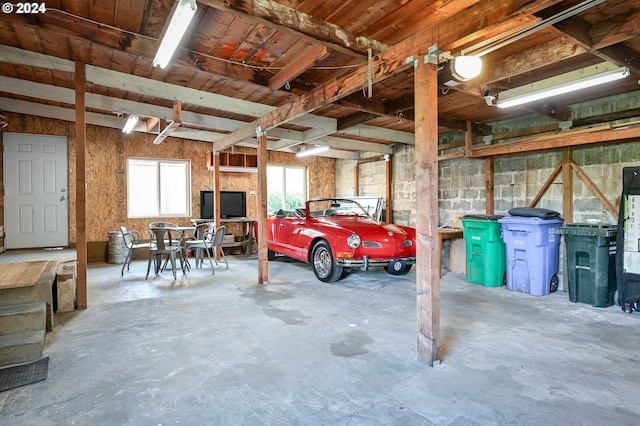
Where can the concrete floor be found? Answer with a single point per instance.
(222, 350)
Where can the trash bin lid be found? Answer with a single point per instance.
(482, 216)
(538, 221)
(589, 229)
(534, 212)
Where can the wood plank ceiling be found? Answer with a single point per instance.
(243, 59)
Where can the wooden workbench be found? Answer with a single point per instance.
(27, 282)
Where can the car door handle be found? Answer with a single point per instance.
(281, 224)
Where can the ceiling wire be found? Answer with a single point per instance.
(574, 10)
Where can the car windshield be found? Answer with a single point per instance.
(336, 207)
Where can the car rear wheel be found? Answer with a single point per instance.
(271, 254)
(324, 266)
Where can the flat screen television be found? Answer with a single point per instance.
(233, 204)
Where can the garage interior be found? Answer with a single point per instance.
(254, 83)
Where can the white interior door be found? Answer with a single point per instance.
(36, 203)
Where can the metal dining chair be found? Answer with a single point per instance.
(218, 239)
(132, 243)
(162, 246)
(210, 240)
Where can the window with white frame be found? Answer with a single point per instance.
(158, 188)
(286, 187)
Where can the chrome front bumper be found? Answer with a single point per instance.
(365, 263)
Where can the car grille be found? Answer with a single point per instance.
(371, 244)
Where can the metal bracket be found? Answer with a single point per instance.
(433, 56)
(411, 60)
(260, 133)
(565, 125)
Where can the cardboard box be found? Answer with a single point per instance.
(457, 223)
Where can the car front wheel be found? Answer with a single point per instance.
(324, 266)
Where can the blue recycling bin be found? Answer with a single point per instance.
(532, 245)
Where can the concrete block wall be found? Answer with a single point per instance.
(344, 177)
(403, 185)
(517, 180)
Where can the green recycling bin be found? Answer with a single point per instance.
(591, 262)
(486, 253)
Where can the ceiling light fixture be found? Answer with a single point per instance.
(575, 80)
(459, 69)
(131, 122)
(182, 15)
(312, 151)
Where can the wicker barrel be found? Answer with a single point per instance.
(117, 250)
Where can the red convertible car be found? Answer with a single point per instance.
(335, 235)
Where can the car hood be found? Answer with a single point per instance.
(363, 226)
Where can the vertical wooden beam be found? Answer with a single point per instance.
(468, 140)
(216, 194)
(356, 179)
(389, 180)
(427, 268)
(567, 186)
(81, 180)
(263, 247)
(177, 111)
(489, 185)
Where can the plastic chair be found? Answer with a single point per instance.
(131, 241)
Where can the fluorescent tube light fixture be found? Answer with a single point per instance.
(131, 122)
(312, 151)
(564, 83)
(182, 16)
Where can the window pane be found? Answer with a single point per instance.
(295, 188)
(173, 184)
(286, 188)
(157, 188)
(275, 193)
(142, 188)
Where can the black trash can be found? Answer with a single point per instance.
(591, 262)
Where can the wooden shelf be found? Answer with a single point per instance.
(234, 162)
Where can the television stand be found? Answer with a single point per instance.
(246, 226)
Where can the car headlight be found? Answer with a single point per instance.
(353, 241)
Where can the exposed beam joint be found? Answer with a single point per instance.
(300, 65)
(292, 21)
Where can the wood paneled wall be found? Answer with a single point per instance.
(107, 153)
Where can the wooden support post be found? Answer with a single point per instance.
(567, 186)
(489, 186)
(356, 179)
(81, 181)
(216, 194)
(468, 140)
(263, 247)
(427, 268)
(389, 180)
